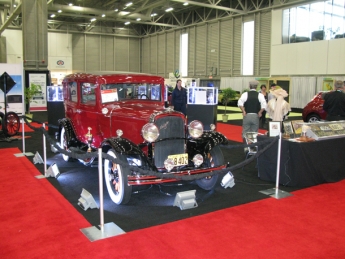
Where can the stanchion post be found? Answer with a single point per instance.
(105, 230)
(278, 161)
(275, 192)
(23, 135)
(100, 169)
(44, 151)
(23, 141)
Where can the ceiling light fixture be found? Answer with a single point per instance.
(169, 9)
(52, 16)
(123, 13)
(129, 4)
(154, 14)
(138, 19)
(185, 4)
(70, 4)
(59, 11)
(126, 23)
(116, 10)
(93, 19)
(103, 15)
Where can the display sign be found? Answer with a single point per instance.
(39, 101)
(202, 95)
(54, 94)
(14, 96)
(274, 128)
(109, 95)
(325, 130)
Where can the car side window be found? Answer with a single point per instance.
(72, 90)
(88, 93)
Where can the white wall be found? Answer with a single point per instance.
(59, 49)
(14, 45)
(306, 58)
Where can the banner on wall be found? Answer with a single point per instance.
(14, 97)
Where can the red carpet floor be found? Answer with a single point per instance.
(232, 132)
(37, 222)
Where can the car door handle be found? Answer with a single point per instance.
(78, 111)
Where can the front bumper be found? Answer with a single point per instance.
(149, 179)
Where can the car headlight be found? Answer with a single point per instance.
(195, 129)
(150, 132)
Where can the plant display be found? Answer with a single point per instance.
(228, 94)
(30, 92)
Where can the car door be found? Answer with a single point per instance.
(86, 115)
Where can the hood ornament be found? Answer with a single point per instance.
(89, 136)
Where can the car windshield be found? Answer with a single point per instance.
(120, 92)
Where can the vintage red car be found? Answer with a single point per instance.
(126, 115)
(314, 111)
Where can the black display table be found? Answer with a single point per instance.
(207, 114)
(304, 164)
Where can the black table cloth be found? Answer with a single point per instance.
(304, 164)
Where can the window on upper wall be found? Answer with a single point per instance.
(248, 49)
(317, 21)
(184, 54)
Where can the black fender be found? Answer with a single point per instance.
(207, 141)
(69, 130)
(128, 149)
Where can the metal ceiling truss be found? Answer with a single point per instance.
(139, 14)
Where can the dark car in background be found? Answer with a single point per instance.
(313, 111)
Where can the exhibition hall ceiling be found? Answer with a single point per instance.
(140, 17)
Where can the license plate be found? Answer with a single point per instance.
(179, 159)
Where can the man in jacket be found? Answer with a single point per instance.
(334, 103)
(179, 98)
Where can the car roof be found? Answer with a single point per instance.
(104, 76)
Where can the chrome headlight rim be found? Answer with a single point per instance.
(195, 129)
(198, 160)
(150, 132)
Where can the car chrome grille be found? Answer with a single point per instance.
(169, 127)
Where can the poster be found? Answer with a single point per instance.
(14, 98)
(39, 102)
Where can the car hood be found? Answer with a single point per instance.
(137, 110)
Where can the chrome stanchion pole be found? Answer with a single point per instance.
(278, 161)
(23, 142)
(275, 192)
(105, 230)
(44, 151)
(278, 194)
(100, 167)
(23, 135)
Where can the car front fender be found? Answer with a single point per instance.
(207, 141)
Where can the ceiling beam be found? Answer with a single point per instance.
(13, 15)
(212, 6)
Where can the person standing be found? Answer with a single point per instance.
(179, 98)
(334, 103)
(272, 88)
(265, 94)
(277, 108)
(252, 104)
